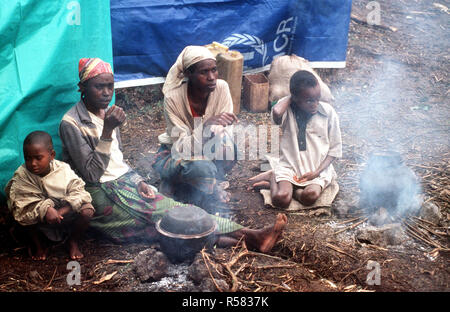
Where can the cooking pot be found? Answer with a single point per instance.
(184, 231)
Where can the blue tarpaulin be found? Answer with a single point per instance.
(148, 35)
(42, 41)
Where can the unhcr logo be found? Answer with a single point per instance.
(248, 40)
(255, 49)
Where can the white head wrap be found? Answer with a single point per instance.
(189, 56)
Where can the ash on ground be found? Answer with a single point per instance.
(156, 273)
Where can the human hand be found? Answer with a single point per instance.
(53, 216)
(145, 191)
(223, 119)
(306, 177)
(87, 210)
(64, 209)
(280, 108)
(114, 117)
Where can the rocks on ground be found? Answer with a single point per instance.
(386, 235)
(156, 273)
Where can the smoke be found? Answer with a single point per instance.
(388, 183)
(380, 128)
(398, 78)
(394, 101)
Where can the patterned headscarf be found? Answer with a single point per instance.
(90, 67)
(189, 56)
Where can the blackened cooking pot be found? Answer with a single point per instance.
(184, 231)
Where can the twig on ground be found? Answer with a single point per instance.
(352, 226)
(258, 254)
(206, 257)
(420, 235)
(51, 280)
(111, 261)
(425, 221)
(350, 273)
(423, 226)
(273, 285)
(348, 221)
(229, 264)
(340, 251)
(375, 247)
(275, 266)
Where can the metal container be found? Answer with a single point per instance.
(184, 231)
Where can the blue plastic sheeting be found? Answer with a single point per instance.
(148, 35)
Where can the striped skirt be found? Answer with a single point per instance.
(122, 215)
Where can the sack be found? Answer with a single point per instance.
(281, 70)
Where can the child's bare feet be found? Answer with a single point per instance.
(271, 235)
(74, 250)
(260, 181)
(38, 243)
(39, 255)
(259, 186)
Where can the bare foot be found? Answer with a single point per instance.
(74, 250)
(260, 180)
(39, 255)
(263, 176)
(225, 241)
(272, 234)
(259, 186)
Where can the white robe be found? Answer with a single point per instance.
(323, 137)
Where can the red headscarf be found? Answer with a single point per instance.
(90, 67)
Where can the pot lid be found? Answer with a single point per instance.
(186, 220)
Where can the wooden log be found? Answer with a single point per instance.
(230, 65)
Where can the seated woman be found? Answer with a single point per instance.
(126, 207)
(195, 99)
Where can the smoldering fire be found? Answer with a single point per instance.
(388, 183)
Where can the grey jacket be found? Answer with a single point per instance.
(82, 147)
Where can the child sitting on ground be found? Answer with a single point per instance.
(47, 197)
(310, 142)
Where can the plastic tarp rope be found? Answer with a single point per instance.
(148, 35)
(41, 42)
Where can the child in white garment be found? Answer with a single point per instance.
(311, 141)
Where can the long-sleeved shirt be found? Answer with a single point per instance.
(86, 152)
(322, 138)
(180, 123)
(30, 196)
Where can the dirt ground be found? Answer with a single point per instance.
(393, 93)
